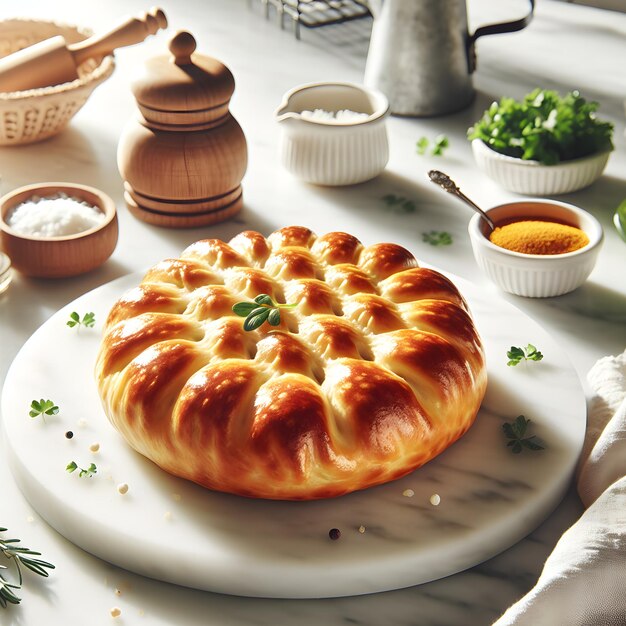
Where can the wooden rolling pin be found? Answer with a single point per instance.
(53, 61)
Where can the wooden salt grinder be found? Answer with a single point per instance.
(183, 159)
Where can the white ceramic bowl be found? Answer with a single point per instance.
(330, 152)
(531, 177)
(536, 275)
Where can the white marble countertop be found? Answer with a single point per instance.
(566, 47)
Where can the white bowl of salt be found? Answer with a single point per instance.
(333, 133)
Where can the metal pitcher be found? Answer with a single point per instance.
(422, 56)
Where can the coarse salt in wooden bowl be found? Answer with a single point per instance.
(36, 114)
(63, 256)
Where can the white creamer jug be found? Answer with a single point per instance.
(327, 151)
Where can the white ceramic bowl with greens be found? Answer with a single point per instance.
(532, 177)
(544, 144)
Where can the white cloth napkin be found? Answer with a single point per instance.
(583, 582)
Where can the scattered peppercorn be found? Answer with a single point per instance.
(69, 434)
(334, 534)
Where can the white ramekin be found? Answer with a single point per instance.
(330, 153)
(536, 275)
(531, 177)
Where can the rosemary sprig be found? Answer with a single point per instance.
(20, 556)
(89, 319)
(262, 309)
(517, 355)
(515, 432)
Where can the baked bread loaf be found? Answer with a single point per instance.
(376, 370)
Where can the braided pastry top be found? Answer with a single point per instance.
(376, 370)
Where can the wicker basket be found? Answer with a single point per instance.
(36, 114)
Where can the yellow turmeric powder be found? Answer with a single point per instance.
(539, 237)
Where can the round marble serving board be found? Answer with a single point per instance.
(176, 531)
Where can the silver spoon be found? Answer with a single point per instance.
(447, 184)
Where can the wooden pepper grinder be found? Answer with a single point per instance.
(183, 158)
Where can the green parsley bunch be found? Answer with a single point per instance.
(544, 127)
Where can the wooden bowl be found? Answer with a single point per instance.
(59, 257)
(36, 114)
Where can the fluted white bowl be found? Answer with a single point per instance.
(333, 153)
(536, 275)
(534, 178)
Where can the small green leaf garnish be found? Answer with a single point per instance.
(273, 318)
(264, 299)
(263, 309)
(90, 471)
(619, 219)
(43, 407)
(437, 238)
(515, 432)
(20, 556)
(256, 318)
(89, 319)
(243, 309)
(517, 355)
(441, 143)
(399, 204)
(422, 145)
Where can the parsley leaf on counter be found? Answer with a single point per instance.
(43, 407)
(437, 238)
(399, 204)
(517, 355)
(441, 143)
(90, 471)
(515, 431)
(89, 319)
(422, 145)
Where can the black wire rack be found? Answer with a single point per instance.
(316, 13)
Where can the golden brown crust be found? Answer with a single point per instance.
(376, 370)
